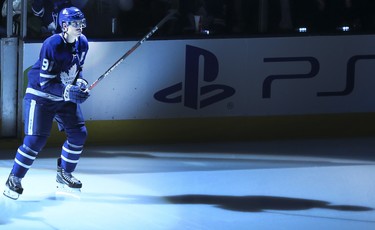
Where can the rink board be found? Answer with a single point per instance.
(224, 129)
(230, 88)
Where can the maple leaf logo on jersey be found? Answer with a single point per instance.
(67, 77)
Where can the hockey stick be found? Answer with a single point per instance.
(118, 62)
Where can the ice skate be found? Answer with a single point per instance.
(67, 184)
(13, 188)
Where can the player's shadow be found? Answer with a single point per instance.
(255, 203)
(233, 203)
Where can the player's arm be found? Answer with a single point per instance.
(71, 92)
(48, 77)
(51, 83)
(82, 52)
(77, 91)
(49, 70)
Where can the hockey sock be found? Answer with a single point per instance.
(26, 154)
(23, 161)
(70, 155)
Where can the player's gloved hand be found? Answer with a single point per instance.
(75, 94)
(82, 83)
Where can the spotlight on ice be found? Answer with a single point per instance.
(302, 29)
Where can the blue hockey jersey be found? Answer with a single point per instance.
(58, 65)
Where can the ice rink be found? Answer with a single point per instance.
(281, 184)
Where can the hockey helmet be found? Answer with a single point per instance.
(72, 15)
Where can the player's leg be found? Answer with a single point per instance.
(72, 122)
(38, 123)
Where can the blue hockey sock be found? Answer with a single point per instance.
(26, 154)
(70, 155)
(22, 162)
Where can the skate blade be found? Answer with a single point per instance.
(66, 191)
(11, 194)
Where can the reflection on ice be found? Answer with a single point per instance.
(170, 191)
(9, 208)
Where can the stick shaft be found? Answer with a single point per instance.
(131, 50)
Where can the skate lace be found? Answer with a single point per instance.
(69, 177)
(15, 181)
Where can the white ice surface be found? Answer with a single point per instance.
(197, 191)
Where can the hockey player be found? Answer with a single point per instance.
(55, 90)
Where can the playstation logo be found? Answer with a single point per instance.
(190, 92)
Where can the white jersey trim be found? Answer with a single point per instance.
(47, 75)
(44, 95)
(31, 118)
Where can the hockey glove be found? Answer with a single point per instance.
(75, 94)
(82, 83)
